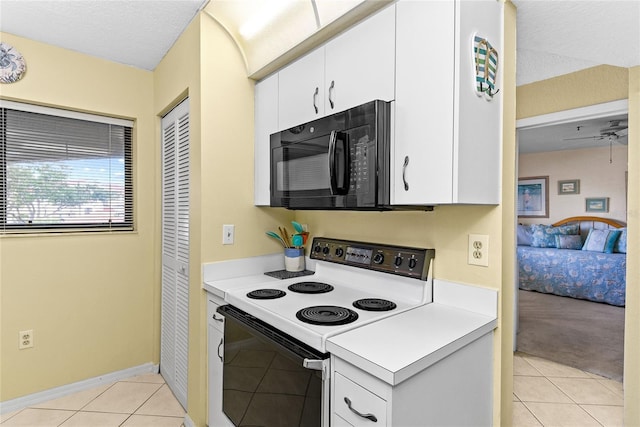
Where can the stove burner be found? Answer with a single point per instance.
(266, 294)
(310, 287)
(374, 304)
(327, 315)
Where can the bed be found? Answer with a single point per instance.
(579, 257)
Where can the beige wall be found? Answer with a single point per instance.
(206, 64)
(594, 85)
(598, 178)
(632, 313)
(605, 83)
(88, 297)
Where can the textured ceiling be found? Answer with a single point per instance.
(555, 37)
(574, 135)
(132, 32)
(559, 37)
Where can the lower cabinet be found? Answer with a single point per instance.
(456, 390)
(215, 345)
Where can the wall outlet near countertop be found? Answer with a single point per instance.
(478, 250)
(25, 339)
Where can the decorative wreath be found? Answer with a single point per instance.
(12, 65)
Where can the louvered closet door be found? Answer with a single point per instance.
(174, 344)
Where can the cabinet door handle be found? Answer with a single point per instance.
(220, 345)
(331, 88)
(404, 170)
(370, 417)
(315, 96)
(221, 319)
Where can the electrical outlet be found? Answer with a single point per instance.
(478, 250)
(25, 339)
(228, 234)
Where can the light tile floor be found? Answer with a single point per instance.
(545, 394)
(141, 401)
(550, 394)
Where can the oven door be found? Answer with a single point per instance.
(270, 378)
(339, 161)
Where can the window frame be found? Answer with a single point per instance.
(129, 219)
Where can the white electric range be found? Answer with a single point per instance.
(276, 331)
(390, 280)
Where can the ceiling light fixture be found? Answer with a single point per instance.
(265, 16)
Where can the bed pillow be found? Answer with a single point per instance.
(524, 235)
(544, 236)
(601, 240)
(621, 244)
(573, 241)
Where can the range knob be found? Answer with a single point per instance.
(317, 249)
(398, 261)
(339, 252)
(325, 250)
(378, 258)
(412, 263)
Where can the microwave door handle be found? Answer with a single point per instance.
(333, 173)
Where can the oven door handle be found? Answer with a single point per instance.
(317, 365)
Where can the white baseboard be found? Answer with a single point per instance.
(188, 422)
(65, 390)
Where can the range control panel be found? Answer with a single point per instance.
(405, 261)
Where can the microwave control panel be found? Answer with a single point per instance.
(404, 261)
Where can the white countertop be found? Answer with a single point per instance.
(398, 347)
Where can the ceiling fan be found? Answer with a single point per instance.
(616, 131)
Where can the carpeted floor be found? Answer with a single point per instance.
(583, 334)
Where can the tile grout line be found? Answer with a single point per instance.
(549, 378)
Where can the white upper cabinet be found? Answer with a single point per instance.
(266, 123)
(360, 63)
(448, 135)
(301, 91)
(354, 68)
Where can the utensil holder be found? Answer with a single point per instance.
(294, 259)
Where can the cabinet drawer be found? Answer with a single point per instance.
(362, 401)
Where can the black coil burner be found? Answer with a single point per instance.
(266, 294)
(374, 304)
(310, 287)
(327, 315)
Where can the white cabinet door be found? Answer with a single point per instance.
(447, 138)
(360, 63)
(266, 123)
(424, 103)
(301, 90)
(479, 124)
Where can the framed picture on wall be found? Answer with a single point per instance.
(569, 186)
(597, 204)
(533, 197)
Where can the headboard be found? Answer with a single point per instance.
(588, 222)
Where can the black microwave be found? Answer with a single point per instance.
(337, 162)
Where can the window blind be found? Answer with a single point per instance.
(64, 173)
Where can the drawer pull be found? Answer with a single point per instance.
(218, 319)
(370, 417)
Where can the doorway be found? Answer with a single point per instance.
(608, 150)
